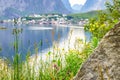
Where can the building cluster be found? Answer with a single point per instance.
(40, 19)
(47, 19)
(53, 19)
(83, 21)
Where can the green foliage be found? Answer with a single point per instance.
(33, 18)
(73, 61)
(105, 21)
(98, 28)
(64, 66)
(94, 42)
(114, 9)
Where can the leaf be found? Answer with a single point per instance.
(94, 42)
(59, 62)
(49, 53)
(53, 60)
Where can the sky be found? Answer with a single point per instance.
(72, 2)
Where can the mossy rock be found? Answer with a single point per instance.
(104, 62)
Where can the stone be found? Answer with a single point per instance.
(104, 62)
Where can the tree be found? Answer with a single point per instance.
(105, 21)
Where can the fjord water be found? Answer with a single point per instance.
(33, 35)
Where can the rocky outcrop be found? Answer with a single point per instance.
(104, 62)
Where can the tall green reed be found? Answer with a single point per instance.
(58, 65)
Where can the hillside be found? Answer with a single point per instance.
(87, 15)
(94, 5)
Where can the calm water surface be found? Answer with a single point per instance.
(31, 36)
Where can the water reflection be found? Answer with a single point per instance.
(75, 33)
(23, 38)
(27, 37)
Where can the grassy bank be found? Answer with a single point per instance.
(58, 65)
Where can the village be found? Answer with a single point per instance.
(50, 19)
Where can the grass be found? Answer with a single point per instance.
(58, 65)
(63, 66)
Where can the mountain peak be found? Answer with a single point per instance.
(67, 4)
(13, 8)
(77, 7)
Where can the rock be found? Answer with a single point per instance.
(104, 62)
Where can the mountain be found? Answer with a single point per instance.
(67, 5)
(93, 5)
(16, 8)
(77, 7)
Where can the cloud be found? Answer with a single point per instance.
(72, 2)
